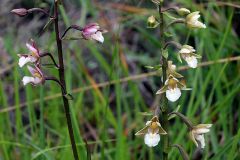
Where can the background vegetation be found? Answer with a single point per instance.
(113, 91)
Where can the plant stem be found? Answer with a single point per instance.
(164, 101)
(62, 80)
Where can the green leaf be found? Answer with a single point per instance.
(179, 58)
(165, 53)
(157, 67)
(168, 34)
(68, 96)
(174, 115)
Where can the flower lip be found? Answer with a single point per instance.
(191, 61)
(151, 139)
(173, 94)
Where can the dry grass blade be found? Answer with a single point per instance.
(122, 80)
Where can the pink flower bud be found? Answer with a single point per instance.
(20, 12)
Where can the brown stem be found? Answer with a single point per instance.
(184, 119)
(40, 10)
(56, 80)
(182, 151)
(76, 27)
(51, 56)
(62, 80)
(172, 43)
(169, 9)
(175, 22)
(164, 102)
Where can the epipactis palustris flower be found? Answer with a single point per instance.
(36, 78)
(152, 132)
(32, 57)
(193, 22)
(93, 32)
(197, 134)
(172, 87)
(188, 54)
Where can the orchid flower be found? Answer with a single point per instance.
(152, 132)
(193, 22)
(33, 57)
(197, 134)
(36, 78)
(188, 54)
(172, 87)
(93, 32)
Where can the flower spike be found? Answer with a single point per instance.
(152, 132)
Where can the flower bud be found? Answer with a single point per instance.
(152, 22)
(20, 12)
(183, 11)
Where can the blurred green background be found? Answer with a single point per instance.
(32, 119)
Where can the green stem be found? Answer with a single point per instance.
(63, 83)
(164, 101)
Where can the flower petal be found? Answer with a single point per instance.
(37, 80)
(201, 130)
(27, 80)
(32, 49)
(151, 140)
(191, 61)
(173, 94)
(200, 139)
(192, 137)
(185, 51)
(98, 37)
(32, 70)
(23, 60)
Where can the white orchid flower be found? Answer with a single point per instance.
(188, 54)
(152, 132)
(193, 22)
(172, 87)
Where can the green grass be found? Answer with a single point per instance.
(108, 117)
